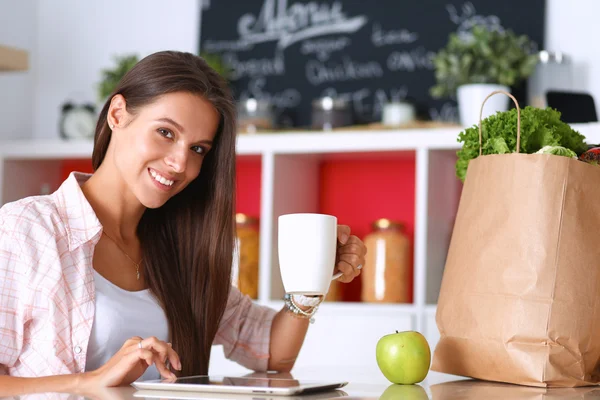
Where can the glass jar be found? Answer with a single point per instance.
(386, 273)
(254, 115)
(245, 271)
(329, 113)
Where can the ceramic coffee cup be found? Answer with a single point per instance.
(307, 245)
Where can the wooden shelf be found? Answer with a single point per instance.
(13, 59)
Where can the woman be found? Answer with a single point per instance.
(124, 269)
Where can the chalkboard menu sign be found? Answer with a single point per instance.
(368, 52)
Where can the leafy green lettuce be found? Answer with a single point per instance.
(557, 151)
(539, 128)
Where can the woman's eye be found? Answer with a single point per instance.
(166, 133)
(199, 149)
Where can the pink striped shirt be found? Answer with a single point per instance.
(47, 292)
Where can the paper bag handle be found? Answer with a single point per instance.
(518, 118)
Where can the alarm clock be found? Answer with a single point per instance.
(77, 121)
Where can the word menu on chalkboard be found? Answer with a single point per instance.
(367, 52)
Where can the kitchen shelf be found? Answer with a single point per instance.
(297, 172)
(292, 142)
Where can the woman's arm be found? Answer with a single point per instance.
(126, 366)
(287, 335)
(244, 331)
(13, 386)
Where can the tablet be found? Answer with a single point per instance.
(240, 385)
(178, 395)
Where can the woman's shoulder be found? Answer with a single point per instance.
(64, 216)
(33, 239)
(35, 212)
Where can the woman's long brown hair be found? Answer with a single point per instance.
(187, 244)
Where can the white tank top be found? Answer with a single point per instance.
(121, 314)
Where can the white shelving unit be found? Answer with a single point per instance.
(344, 333)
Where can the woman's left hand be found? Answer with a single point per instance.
(350, 256)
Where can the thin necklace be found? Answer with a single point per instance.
(137, 265)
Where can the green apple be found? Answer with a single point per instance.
(404, 392)
(403, 357)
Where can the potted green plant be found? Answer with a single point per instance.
(215, 61)
(474, 66)
(112, 76)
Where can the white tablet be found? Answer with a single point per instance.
(178, 395)
(240, 385)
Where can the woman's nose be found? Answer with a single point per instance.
(177, 160)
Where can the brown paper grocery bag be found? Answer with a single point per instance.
(520, 295)
(470, 389)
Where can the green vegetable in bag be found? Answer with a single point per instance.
(539, 128)
(557, 151)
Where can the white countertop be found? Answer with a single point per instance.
(366, 384)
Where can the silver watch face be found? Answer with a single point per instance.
(309, 301)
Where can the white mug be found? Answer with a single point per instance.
(307, 246)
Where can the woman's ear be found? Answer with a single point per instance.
(117, 112)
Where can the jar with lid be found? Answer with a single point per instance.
(254, 115)
(245, 270)
(398, 113)
(386, 273)
(329, 113)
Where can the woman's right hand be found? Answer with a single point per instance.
(131, 361)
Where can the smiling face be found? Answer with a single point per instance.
(159, 150)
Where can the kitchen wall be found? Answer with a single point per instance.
(71, 41)
(572, 27)
(18, 28)
(76, 39)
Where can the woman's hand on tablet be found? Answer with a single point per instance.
(132, 360)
